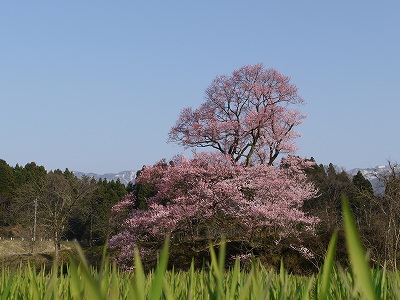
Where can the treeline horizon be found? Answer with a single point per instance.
(88, 218)
(83, 205)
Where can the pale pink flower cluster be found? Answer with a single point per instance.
(246, 115)
(211, 193)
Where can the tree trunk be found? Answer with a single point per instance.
(56, 245)
(91, 230)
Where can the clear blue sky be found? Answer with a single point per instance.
(95, 86)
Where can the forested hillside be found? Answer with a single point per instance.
(87, 210)
(65, 207)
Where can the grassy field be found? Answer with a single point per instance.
(77, 280)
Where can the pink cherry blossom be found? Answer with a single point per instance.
(247, 116)
(209, 196)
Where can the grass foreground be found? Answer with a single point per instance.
(79, 281)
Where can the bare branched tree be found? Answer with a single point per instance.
(57, 197)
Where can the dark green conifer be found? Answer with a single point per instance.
(363, 185)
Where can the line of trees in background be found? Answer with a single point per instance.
(72, 208)
(377, 215)
(66, 207)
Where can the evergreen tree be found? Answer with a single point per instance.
(91, 220)
(7, 180)
(332, 184)
(362, 184)
(130, 187)
(142, 191)
(7, 188)
(31, 173)
(34, 172)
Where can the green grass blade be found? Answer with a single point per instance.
(51, 291)
(92, 288)
(221, 256)
(235, 278)
(218, 274)
(6, 290)
(33, 285)
(327, 268)
(361, 269)
(244, 292)
(104, 276)
(283, 282)
(191, 291)
(383, 284)
(76, 288)
(307, 290)
(167, 290)
(140, 279)
(158, 281)
(282, 273)
(114, 284)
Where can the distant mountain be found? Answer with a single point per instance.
(373, 175)
(125, 176)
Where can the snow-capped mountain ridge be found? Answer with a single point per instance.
(125, 176)
(372, 174)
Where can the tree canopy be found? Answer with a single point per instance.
(207, 196)
(247, 116)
